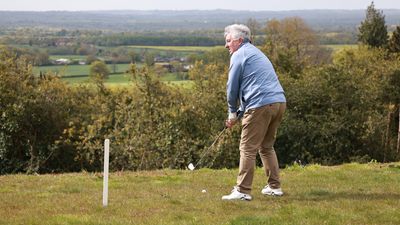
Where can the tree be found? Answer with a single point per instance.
(291, 45)
(392, 96)
(254, 28)
(41, 58)
(90, 59)
(132, 56)
(394, 42)
(149, 58)
(114, 56)
(99, 68)
(373, 30)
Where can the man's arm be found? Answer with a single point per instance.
(233, 85)
(232, 90)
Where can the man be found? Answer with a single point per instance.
(253, 82)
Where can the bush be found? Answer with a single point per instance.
(336, 113)
(31, 121)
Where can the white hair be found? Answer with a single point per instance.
(238, 31)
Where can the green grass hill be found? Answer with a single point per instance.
(345, 194)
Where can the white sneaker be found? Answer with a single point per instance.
(267, 190)
(236, 195)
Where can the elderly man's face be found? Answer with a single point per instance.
(231, 44)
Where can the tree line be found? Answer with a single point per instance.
(342, 107)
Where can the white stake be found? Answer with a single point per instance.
(105, 172)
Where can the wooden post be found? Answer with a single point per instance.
(105, 172)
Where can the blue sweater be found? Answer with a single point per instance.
(252, 80)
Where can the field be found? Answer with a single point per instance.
(347, 194)
(178, 48)
(77, 70)
(340, 47)
(70, 57)
(75, 74)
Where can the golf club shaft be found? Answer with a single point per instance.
(208, 149)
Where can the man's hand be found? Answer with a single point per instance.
(229, 123)
(232, 119)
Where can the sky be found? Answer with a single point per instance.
(253, 5)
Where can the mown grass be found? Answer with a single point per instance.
(347, 194)
(76, 70)
(79, 74)
(124, 79)
(70, 57)
(176, 48)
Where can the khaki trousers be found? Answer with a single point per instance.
(259, 127)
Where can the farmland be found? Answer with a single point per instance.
(75, 74)
(177, 48)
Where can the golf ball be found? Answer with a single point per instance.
(191, 166)
(204, 191)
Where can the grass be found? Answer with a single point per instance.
(346, 194)
(123, 79)
(70, 57)
(177, 48)
(76, 70)
(78, 74)
(340, 47)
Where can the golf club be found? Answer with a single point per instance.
(239, 114)
(191, 166)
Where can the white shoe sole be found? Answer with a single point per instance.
(273, 194)
(240, 199)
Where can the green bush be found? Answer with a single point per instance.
(33, 116)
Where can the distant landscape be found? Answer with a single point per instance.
(120, 37)
(154, 84)
(195, 20)
(109, 69)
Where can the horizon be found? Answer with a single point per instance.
(186, 10)
(181, 5)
